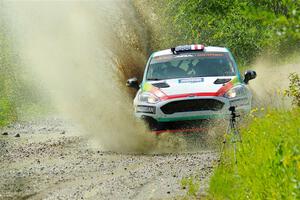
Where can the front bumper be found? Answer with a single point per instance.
(155, 110)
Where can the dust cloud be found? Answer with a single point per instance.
(81, 51)
(272, 80)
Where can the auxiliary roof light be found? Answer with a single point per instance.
(183, 48)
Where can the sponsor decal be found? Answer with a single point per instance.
(185, 55)
(148, 87)
(210, 55)
(226, 87)
(191, 80)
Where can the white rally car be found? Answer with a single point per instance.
(191, 82)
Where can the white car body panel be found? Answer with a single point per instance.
(191, 85)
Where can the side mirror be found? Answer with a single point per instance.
(133, 83)
(249, 75)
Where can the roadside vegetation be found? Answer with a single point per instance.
(8, 82)
(249, 28)
(268, 161)
(18, 95)
(294, 89)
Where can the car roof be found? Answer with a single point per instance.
(206, 49)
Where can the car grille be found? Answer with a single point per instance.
(192, 105)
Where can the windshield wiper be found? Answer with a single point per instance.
(154, 79)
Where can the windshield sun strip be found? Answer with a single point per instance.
(193, 55)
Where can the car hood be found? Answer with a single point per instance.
(190, 85)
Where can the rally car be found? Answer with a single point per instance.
(191, 82)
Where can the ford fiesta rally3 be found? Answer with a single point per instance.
(191, 82)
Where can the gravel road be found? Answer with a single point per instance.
(50, 161)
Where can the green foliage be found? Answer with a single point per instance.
(268, 161)
(16, 93)
(7, 111)
(191, 185)
(7, 81)
(294, 89)
(246, 27)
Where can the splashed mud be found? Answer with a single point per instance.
(80, 51)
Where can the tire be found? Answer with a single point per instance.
(152, 124)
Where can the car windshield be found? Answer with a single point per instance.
(187, 65)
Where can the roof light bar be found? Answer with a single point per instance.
(194, 47)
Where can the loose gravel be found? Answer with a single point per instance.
(48, 161)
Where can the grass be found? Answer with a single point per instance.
(7, 111)
(268, 161)
(191, 185)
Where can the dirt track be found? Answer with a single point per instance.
(48, 161)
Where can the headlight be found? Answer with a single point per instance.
(148, 97)
(237, 91)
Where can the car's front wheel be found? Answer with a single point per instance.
(152, 124)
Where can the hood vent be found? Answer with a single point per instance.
(222, 80)
(161, 85)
